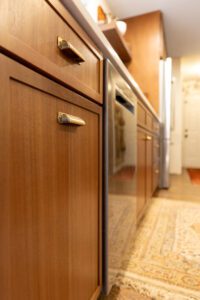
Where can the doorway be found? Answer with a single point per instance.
(191, 112)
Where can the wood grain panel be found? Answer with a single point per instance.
(116, 39)
(141, 171)
(156, 127)
(149, 121)
(141, 115)
(50, 187)
(156, 163)
(29, 30)
(149, 167)
(145, 36)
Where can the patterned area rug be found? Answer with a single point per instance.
(164, 260)
(124, 294)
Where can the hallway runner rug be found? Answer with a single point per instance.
(194, 175)
(164, 260)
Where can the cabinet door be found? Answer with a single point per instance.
(50, 187)
(141, 172)
(156, 162)
(149, 166)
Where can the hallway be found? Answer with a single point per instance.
(164, 260)
(181, 188)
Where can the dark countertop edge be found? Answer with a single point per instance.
(81, 15)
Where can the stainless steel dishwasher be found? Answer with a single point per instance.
(119, 216)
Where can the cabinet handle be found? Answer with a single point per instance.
(148, 138)
(64, 118)
(157, 171)
(70, 51)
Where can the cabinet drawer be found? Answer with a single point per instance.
(156, 127)
(30, 30)
(149, 121)
(156, 144)
(141, 115)
(50, 206)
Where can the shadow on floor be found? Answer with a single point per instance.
(124, 294)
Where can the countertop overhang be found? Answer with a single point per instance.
(78, 11)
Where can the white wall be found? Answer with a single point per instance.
(92, 5)
(190, 75)
(176, 119)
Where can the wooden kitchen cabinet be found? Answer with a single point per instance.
(141, 172)
(148, 158)
(30, 31)
(149, 166)
(144, 171)
(145, 35)
(156, 163)
(141, 115)
(50, 187)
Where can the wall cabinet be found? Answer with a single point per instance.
(50, 209)
(145, 34)
(147, 158)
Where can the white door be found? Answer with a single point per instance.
(191, 129)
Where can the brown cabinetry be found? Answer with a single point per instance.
(30, 31)
(116, 39)
(147, 158)
(50, 187)
(141, 115)
(145, 34)
(141, 171)
(50, 154)
(156, 162)
(144, 170)
(149, 166)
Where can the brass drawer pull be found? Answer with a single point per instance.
(64, 118)
(148, 138)
(69, 50)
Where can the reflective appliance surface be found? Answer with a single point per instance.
(120, 183)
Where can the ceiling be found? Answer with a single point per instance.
(181, 21)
